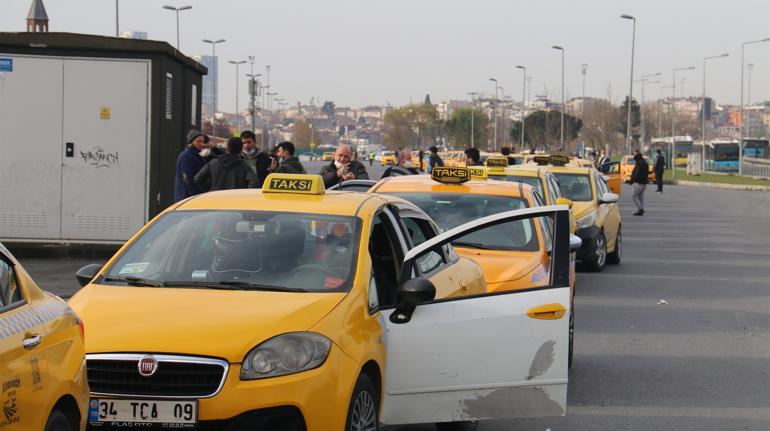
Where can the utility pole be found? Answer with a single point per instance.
(117, 20)
(177, 10)
(523, 105)
(673, 118)
(473, 113)
(561, 132)
(631, 84)
(237, 115)
(703, 111)
(494, 113)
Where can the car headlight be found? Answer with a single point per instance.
(286, 354)
(586, 221)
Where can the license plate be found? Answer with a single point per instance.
(144, 411)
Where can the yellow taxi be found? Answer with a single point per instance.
(327, 156)
(388, 158)
(595, 199)
(292, 307)
(42, 363)
(419, 162)
(454, 158)
(627, 166)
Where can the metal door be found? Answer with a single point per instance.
(30, 136)
(104, 149)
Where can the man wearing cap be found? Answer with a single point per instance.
(190, 161)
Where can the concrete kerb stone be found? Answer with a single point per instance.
(745, 187)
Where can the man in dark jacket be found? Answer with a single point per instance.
(506, 152)
(259, 161)
(660, 166)
(472, 157)
(190, 161)
(639, 182)
(229, 171)
(287, 163)
(434, 159)
(342, 168)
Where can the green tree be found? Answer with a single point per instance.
(412, 126)
(302, 134)
(328, 109)
(542, 130)
(458, 128)
(636, 116)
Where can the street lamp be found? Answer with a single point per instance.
(117, 20)
(561, 133)
(660, 110)
(644, 81)
(631, 84)
(270, 117)
(502, 114)
(473, 113)
(703, 111)
(253, 90)
(177, 10)
(216, 69)
(494, 112)
(740, 141)
(523, 104)
(237, 116)
(583, 69)
(673, 117)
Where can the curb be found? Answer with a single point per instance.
(745, 187)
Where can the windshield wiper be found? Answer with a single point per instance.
(134, 281)
(232, 285)
(478, 245)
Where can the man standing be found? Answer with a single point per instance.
(287, 163)
(506, 152)
(472, 157)
(603, 159)
(434, 159)
(342, 168)
(371, 158)
(229, 171)
(190, 161)
(660, 166)
(639, 182)
(258, 160)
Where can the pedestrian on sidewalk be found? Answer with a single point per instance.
(639, 182)
(228, 171)
(342, 168)
(660, 166)
(190, 161)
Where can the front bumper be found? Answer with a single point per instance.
(588, 248)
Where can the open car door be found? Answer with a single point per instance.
(490, 356)
(612, 171)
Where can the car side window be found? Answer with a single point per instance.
(555, 186)
(551, 193)
(9, 287)
(387, 256)
(419, 231)
(601, 185)
(546, 225)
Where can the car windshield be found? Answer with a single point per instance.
(242, 249)
(450, 210)
(532, 181)
(576, 187)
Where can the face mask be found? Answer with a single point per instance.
(408, 164)
(339, 165)
(205, 152)
(250, 152)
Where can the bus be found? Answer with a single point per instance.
(759, 148)
(683, 145)
(721, 155)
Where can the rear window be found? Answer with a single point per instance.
(576, 187)
(532, 181)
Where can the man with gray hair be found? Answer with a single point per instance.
(342, 168)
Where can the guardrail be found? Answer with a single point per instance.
(756, 167)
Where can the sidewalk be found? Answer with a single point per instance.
(717, 181)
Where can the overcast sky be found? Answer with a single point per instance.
(358, 52)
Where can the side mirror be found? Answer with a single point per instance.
(564, 201)
(574, 243)
(87, 273)
(413, 292)
(609, 198)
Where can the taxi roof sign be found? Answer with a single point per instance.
(477, 173)
(294, 184)
(497, 162)
(450, 175)
(553, 159)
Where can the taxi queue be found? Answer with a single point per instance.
(413, 299)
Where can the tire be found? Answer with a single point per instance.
(614, 257)
(363, 411)
(58, 421)
(571, 336)
(599, 259)
(457, 426)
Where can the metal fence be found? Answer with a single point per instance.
(756, 167)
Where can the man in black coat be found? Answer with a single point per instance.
(342, 168)
(286, 162)
(190, 161)
(258, 160)
(229, 171)
(660, 166)
(639, 182)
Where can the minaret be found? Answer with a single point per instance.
(37, 18)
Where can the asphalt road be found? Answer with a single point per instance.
(701, 361)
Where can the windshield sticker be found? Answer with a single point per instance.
(134, 268)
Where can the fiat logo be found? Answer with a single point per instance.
(148, 366)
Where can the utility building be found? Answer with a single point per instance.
(90, 129)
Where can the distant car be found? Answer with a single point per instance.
(43, 357)
(388, 158)
(328, 156)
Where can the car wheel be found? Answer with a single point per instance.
(457, 426)
(571, 336)
(58, 421)
(362, 412)
(599, 259)
(615, 256)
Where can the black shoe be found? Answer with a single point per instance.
(638, 213)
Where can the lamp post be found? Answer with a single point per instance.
(177, 10)
(270, 117)
(561, 132)
(583, 70)
(473, 113)
(740, 141)
(703, 111)
(237, 116)
(631, 84)
(644, 81)
(216, 69)
(523, 105)
(253, 92)
(503, 124)
(673, 117)
(117, 20)
(494, 112)
(660, 110)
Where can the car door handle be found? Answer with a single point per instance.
(30, 343)
(547, 312)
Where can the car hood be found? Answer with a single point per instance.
(501, 266)
(220, 323)
(581, 209)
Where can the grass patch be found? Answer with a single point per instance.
(716, 178)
